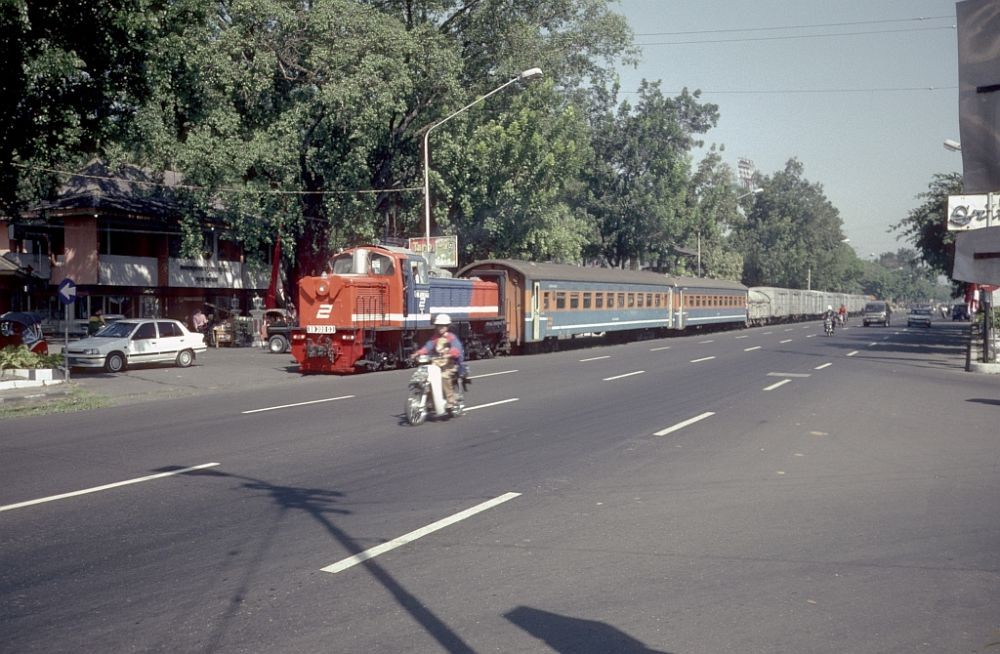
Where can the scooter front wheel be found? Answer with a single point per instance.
(415, 413)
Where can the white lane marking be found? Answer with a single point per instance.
(823, 365)
(787, 340)
(606, 356)
(850, 354)
(684, 423)
(789, 329)
(628, 374)
(810, 335)
(288, 406)
(492, 374)
(702, 359)
(777, 384)
(744, 336)
(657, 349)
(95, 489)
(872, 344)
(768, 333)
(711, 340)
(483, 406)
(371, 553)
(789, 374)
(751, 349)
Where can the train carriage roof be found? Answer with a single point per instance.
(568, 273)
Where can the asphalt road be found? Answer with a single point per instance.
(769, 490)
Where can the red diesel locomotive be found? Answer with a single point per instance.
(374, 307)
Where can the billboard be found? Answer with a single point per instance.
(443, 250)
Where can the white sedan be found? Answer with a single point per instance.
(127, 342)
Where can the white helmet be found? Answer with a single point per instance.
(442, 319)
(829, 307)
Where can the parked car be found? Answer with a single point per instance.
(128, 342)
(959, 312)
(877, 313)
(919, 316)
(23, 328)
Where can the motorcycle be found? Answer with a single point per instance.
(427, 392)
(828, 326)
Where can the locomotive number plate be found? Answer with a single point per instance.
(321, 329)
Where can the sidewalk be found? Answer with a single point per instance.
(216, 370)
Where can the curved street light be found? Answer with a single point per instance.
(529, 74)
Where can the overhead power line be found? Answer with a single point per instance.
(796, 27)
(799, 36)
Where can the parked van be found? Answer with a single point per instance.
(877, 313)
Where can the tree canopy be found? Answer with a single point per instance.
(305, 122)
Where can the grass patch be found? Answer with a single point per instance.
(70, 402)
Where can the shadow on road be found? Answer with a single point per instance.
(320, 504)
(575, 635)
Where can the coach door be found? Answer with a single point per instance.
(536, 298)
(679, 323)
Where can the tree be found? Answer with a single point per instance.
(640, 173)
(926, 227)
(72, 76)
(792, 237)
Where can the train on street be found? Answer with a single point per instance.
(374, 306)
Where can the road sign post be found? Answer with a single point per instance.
(67, 295)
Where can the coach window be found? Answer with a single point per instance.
(598, 300)
(560, 300)
(574, 300)
(587, 300)
(621, 300)
(545, 301)
(638, 299)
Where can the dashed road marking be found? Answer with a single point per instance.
(371, 553)
(777, 384)
(628, 374)
(95, 489)
(289, 406)
(684, 423)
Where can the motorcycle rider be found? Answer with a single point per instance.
(842, 313)
(830, 317)
(448, 354)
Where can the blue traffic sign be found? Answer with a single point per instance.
(67, 291)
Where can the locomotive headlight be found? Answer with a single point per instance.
(322, 289)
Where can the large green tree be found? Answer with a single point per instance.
(71, 77)
(792, 237)
(641, 170)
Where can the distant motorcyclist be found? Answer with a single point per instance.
(842, 313)
(446, 350)
(829, 319)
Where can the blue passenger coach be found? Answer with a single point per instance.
(543, 303)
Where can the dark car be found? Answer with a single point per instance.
(877, 313)
(23, 328)
(960, 312)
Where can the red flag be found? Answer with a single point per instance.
(274, 290)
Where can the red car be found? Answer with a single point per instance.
(22, 328)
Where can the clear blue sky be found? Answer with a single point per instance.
(864, 100)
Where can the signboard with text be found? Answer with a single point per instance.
(972, 211)
(443, 248)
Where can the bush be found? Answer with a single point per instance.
(19, 356)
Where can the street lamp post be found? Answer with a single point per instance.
(530, 74)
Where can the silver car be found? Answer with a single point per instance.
(919, 316)
(127, 342)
